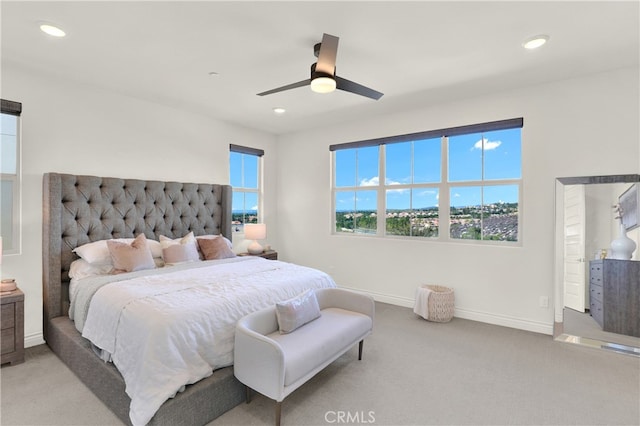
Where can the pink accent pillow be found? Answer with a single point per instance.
(211, 237)
(215, 248)
(180, 250)
(131, 257)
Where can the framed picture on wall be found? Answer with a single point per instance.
(630, 203)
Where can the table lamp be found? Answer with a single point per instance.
(255, 231)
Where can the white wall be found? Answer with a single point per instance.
(69, 128)
(578, 127)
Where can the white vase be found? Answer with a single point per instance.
(622, 247)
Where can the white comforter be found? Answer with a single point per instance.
(164, 331)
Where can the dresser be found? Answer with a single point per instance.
(614, 292)
(12, 327)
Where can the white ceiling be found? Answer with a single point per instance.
(416, 53)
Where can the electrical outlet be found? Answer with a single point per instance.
(544, 302)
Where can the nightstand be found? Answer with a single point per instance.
(12, 327)
(267, 254)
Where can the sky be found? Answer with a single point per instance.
(502, 160)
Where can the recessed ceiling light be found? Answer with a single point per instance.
(279, 110)
(535, 41)
(52, 30)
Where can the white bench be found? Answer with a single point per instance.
(275, 364)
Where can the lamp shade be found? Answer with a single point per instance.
(255, 231)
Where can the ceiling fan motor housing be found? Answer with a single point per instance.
(316, 74)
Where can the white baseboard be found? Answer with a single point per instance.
(486, 317)
(505, 321)
(33, 339)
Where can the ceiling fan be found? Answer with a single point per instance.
(323, 73)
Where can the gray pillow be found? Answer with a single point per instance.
(296, 312)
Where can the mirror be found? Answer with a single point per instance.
(585, 225)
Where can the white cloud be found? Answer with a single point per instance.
(254, 208)
(374, 181)
(488, 145)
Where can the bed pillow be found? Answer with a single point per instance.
(296, 312)
(180, 250)
(80, 268)
(131, 257)
(212, 237)
(97, 252)
(214, 248)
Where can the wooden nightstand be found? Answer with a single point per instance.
(12, 327)
(267, 254)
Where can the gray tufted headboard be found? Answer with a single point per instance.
(81, 209)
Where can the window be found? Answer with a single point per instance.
(245, 166)
(10, 176)
(484, 175)
(356, 204)
(461, 183)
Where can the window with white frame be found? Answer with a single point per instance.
(462, 183)
(245, 167)
(10, 176)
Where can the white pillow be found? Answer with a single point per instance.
(80, 268)
(180, 250)
(296, 312)
(97, 252)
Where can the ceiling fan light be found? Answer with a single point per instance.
(323, 84)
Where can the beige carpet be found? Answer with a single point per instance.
(413, 373)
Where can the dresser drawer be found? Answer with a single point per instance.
(595, 273)
(595, 308)
(7, 341)
(7, 316)
(596, 293)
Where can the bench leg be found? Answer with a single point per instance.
(360, 350)
(248, 394)
(278, 412)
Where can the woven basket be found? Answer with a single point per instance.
(441, 303)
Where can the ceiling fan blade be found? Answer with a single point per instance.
(358, 89)
(287, 87)
(327, 55)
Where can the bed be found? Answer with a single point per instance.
(82, 209)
